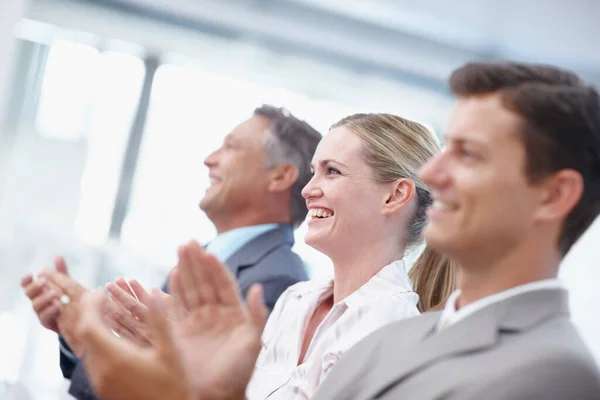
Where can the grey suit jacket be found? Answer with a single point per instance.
(524, 347)
(267, 259)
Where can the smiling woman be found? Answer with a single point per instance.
(366, 210)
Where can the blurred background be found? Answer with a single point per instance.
(109, 107)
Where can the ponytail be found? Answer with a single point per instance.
(433, 277)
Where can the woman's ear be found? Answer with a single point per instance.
(401, 193)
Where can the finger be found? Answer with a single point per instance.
(119, 314)
(224, 284)
(139, 291)
(161, 329)
(187, 278)
(136, 308)
(60, 265)
(113, 325)
(26, 280)
(44, 300)
(122, 283)
(64, 283)
(256, 307)
(50, 313)
(36, 288)
(120, 330)
(205, 287)
(179, 309)
(102, 349)
(51, 286)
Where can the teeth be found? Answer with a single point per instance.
(319, 213)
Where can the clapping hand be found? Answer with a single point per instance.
(127, 312)
(206, 350)
(220, 338)
(55, 298)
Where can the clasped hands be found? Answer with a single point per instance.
(199, 343)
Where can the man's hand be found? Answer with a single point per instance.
(44, 301)
(44, 297)
(127, 311)
(60, 281)
(207, 352)
(119, 370)
(220, 339)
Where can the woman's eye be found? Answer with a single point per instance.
(333, 171)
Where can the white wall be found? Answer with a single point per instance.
(42, 186)
(581, 274)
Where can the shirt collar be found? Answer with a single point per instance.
(389, 281)
(451, 315)
(227, 243)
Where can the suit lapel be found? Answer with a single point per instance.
(428, 346)
(476, 332)
(257, 248)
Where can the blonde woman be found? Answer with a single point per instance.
(366, 210)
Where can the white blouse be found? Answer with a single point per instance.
(385, 298)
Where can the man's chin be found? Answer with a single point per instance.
(210, 195)
(204, 203)
(436, 240)
(209, 202)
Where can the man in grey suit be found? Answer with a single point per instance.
(254, 201)
(517, 185)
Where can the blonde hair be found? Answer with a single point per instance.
(396, 148)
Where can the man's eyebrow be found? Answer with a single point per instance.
(460, 139)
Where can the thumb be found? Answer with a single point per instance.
(159, 325)
(60, 265)
(257, 308)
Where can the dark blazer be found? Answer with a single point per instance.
(267, 259)
(524, 347)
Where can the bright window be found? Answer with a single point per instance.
(64, 107)
(113, 105)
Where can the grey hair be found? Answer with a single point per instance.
(290, 141)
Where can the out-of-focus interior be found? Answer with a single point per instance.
(109, 107)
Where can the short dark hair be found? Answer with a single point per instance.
(292, 141)
(561, 126)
